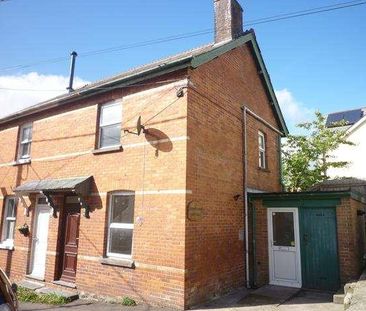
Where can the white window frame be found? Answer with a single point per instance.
(101, 125)
(262, 150)
(8, 242)
(24, 141)
(118, 225)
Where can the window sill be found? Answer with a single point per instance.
(7, 247)
(108, 150)
(266, 170)
(22, 162)
(119, 262)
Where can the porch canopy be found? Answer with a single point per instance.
(80, 186)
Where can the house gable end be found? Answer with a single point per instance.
(249, 39)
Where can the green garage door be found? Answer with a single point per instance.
(319, 251)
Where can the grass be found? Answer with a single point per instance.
(127, 301)
(27, 295)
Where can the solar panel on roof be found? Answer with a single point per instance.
(350, 116)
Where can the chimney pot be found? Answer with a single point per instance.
(228, 20)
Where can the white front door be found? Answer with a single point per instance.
(284, 247)
(39, 243)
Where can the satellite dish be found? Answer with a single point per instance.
(140, 128)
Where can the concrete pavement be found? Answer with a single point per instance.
(264, 299)
(84, 305)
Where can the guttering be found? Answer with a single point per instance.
(247, 111)
(302, 195)
(99, 88)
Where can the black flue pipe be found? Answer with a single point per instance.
(72, 70)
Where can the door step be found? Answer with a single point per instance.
(32, 285)
(64, 283)
(70, 296)
(40, 288)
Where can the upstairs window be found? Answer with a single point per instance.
(110, 125)
(121, 219)
(25, 142)
(9, 215)
(262, 150)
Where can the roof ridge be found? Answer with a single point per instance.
(156, 61)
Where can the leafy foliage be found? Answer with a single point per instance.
(307, 158)
(27, 295)
(126, 301)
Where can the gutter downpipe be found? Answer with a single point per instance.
(246, 111)
(245, 194)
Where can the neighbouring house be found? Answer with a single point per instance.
(355, 127)
(89, 205)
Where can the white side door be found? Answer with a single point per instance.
(284, 247)
(39, 243)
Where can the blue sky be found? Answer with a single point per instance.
(316, 61)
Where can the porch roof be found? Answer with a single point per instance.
(305, 198)
(80, 185)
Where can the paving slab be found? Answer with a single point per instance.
(269, 299)
(66, 294)
(32, 285)
(307, 300)
(280, 293)
(232, 299)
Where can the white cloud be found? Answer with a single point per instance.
(294, 111)
(20, 91)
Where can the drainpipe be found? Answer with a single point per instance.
(247, 111)
(245, 194)
(280, 164)
(254, 226)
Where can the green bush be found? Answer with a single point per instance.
(127, 301)
(27, 295)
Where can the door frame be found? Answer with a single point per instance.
(34, 233)
(272, 280)
(62, 235)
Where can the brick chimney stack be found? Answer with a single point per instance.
(228, 20)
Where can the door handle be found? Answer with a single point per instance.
(35, 239)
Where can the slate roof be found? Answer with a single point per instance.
(349, 116)
(192, 58)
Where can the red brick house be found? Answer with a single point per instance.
(154, 216)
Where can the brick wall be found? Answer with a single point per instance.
(62, 146)
(199, 159)
(215, 260)
(350, 239)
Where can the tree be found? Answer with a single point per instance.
(307, 158)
